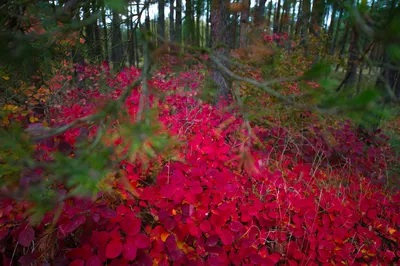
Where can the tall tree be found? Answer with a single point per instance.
(276, 16)
(208, 39)
(269, 17)
(244, 23)
(284, 21)
(299, 18)
(171, 21)
(105, 33)
(305, 22)
(189, 29)
(178, 22)
(317, 16)
(335, 37)
(199, 10)
(220, 38)
(116, 40)
(260, 12)
(161, 18)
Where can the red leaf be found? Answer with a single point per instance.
(94, 261)
(130, 226)
(226, 236)
(26, 236)
(129, 251)
(196, 190)
(256, 259)
(77, 263)
(205, 226)
(74, 224)
(142, 241)
(114, 249)
(99, 239)
(108, 213)
(235, 226)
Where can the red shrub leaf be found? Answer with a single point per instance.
(114, 249)
(129, 251)
(26, 236)
(142, 241)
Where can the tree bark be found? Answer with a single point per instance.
(244, 23)
(334, 41)
(161, 18)
(276, 17)
(208, 39)
(305, 21)
(105, 32)
(352, 63)
(316, 16)
(117, 47)
(220, 38)
(178, 22)
(171, 21)
(259, 12)
(284, 21)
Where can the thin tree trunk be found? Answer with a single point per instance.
(189, 30)
(305, 18)
(117, 47)
(244, 23)
(130, 35)
(260, 12)
(352, 63)
(344, 41)
(161, 18)
(199, 7)
(269, 14)
(334, 41)
(208, 43)
(105, 32)
(284, 21)
(316, 16)
(171, 22)
(299, 17)
(219, 35)
(178, 25)
(333, 17)
(276, 17)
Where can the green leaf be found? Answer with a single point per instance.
(117, 5)
(320, 69)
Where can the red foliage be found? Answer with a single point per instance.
(223, 203)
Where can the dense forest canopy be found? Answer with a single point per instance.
(207, 132)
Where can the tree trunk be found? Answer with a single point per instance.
(316, 16)
(117, 47)
(334, 41)
(284, 22)
(333, 17)
(161, 18)
(299, 16)
(105, 32)
(189, 30)
(244, 23)
(352, 63)
(89, 29)
(259, 12)
(171, 21)
(219, 36)
(344, 41)
(305, 21)
(131, 39)
(269, 13)
(208, 39)
(199, 8)
(178, 21)
(276, 17)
